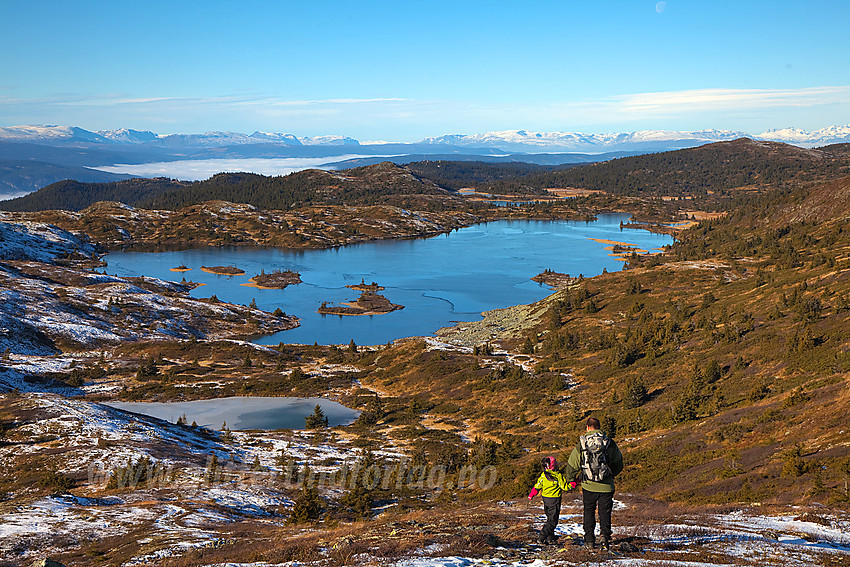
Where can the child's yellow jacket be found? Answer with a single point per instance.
(550, 485)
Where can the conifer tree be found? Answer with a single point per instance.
(307, 506)
(316, 420)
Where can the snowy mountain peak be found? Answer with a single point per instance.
(329, 141)
(48, 133)
(278, 137)
(822, 137)
(128, 136)
(526, 141)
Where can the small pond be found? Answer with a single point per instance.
(244, 412)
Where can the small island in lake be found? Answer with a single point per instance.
(181, 268)
(367, 304)
(223, 270)
(278, 279)
(363, 286)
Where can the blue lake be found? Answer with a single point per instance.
(439, 280)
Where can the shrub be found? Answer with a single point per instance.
(712, 371)
(685, 407)
(56, 481)
(794, 464)
(809, 309)
(135, 473)
(797, 397)
(758, 392)
(635, 393)
(147, 369)
(446, 408)
(307, 507)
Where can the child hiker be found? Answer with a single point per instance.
(550, 485)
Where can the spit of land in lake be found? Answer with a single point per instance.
(555, 280)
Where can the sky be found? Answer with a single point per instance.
(405, 70)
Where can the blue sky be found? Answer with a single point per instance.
(404, 70)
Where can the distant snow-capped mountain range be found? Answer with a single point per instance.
(54, 134)
(508, 140)
(522, 140)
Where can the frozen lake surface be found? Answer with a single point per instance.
(241, 412)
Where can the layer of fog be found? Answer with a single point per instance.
(13, 195)
(197, 169)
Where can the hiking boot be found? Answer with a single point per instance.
(551, 541)
(606, 545)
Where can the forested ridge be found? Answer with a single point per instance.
(484, 176)
(711, 170)
(367, 185)
(707, 169)
(73, 195)
(359, 186)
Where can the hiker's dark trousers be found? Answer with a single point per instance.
(552, 509)
(604, 502)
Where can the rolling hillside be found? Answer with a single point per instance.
(713, 168)
(359, 186)
(722, 367)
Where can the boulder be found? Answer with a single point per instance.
(47, 563)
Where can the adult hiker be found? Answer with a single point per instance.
(597, 460)
(551, 484)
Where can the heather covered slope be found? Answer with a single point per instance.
(722, 367)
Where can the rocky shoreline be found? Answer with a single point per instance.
(495, 325)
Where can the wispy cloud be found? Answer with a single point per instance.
(342, 101)
(73, 99)
(706, 99)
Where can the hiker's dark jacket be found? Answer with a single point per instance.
(615, 463)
